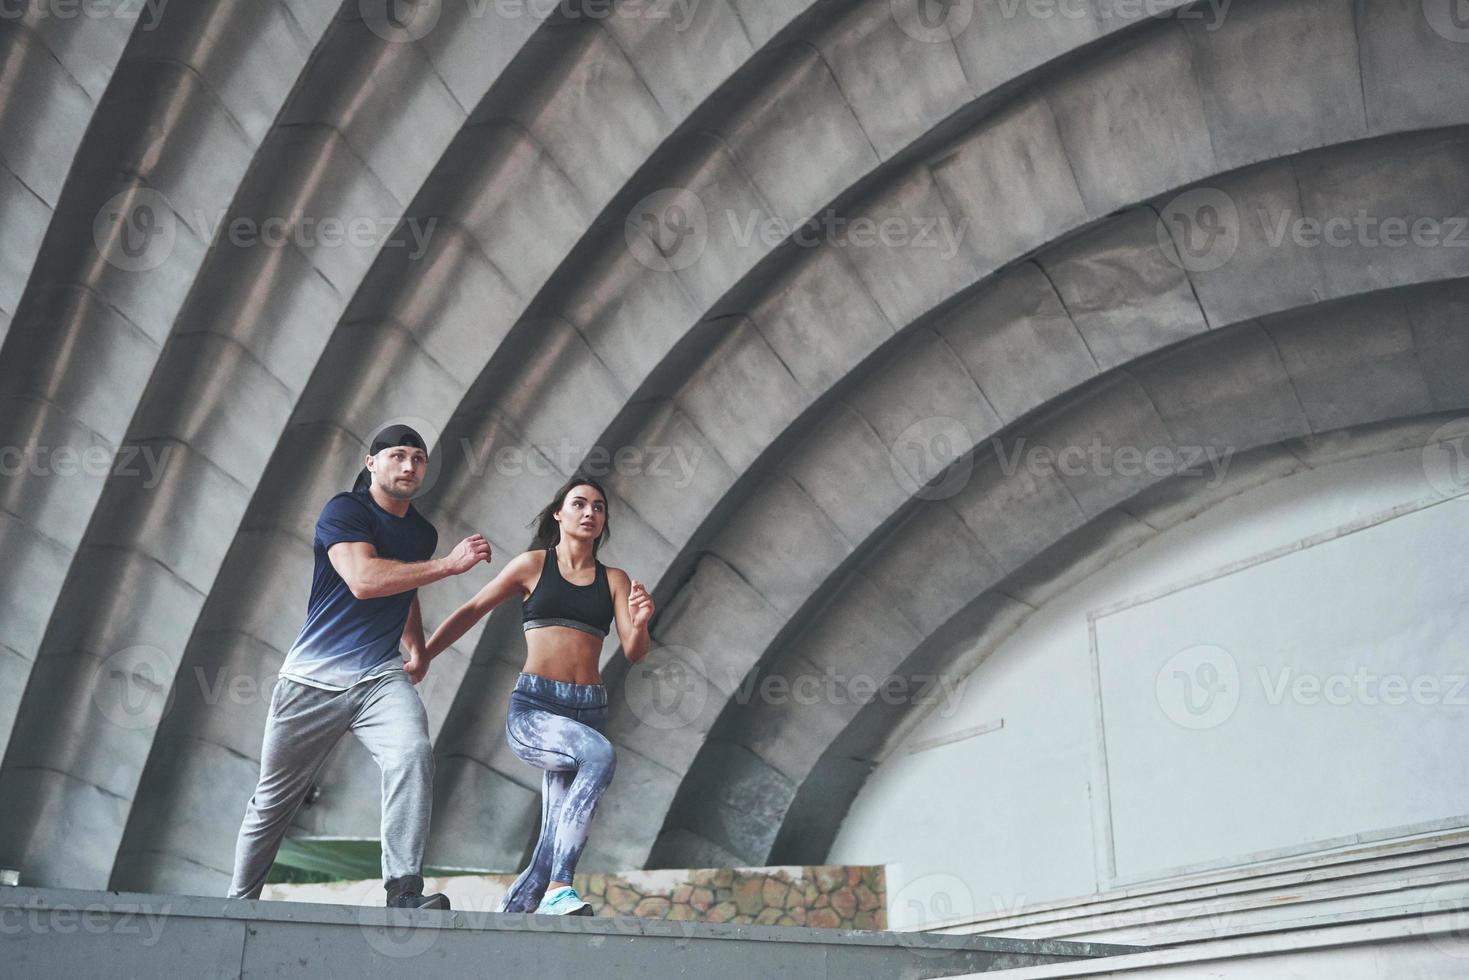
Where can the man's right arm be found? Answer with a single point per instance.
(371, 577)
(512, 581)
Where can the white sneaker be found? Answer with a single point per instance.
(563, 901)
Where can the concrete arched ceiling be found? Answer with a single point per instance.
(1265, 398)
(811, 819)
(524, 152)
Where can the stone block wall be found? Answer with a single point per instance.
(826, 897)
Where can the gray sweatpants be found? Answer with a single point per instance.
(304, 725)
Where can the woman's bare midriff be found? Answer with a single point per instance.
(563, 654)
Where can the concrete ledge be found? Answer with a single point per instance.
(1355, 884)
(1421, 947)
(81, 934)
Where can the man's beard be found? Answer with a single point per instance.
(396, 490)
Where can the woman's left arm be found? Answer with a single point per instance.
(633, 607)
(509, 582)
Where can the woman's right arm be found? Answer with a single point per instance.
(510, 582)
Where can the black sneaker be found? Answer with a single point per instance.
(438, 900)
(407, 893)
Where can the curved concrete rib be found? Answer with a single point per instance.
(483, 177)
(448, 346)
(810, 822)
(86, 336)
(1232, 391)
(370, 118)
(920, 564)
(482, 743)
(978, 368)
(718, 173)
(590, 334)
(52, 76)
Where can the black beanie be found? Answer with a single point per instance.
(393, 435)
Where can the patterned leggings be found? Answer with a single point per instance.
(557, 726)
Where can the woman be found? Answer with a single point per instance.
(558, 709)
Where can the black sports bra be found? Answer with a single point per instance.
(557, 602)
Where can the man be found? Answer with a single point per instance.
(345, 673)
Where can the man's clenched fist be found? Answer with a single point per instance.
(468, 553)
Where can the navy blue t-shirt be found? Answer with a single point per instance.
(347, 640)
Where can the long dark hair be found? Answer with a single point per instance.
(548, 531)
